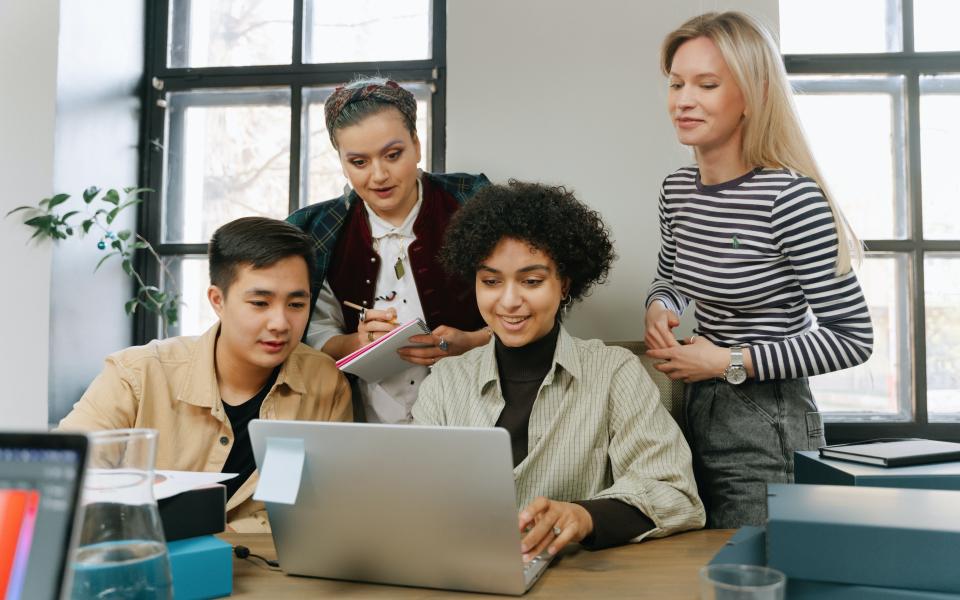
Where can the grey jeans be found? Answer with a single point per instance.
(743, 437)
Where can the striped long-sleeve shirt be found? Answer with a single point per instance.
(758, 255)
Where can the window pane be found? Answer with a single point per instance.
(189, 276)
(366, 30)
(228, 156)
(855, 126)
(942, 296)
(882, 384)
(935, 25)
(939, 131)
(323, 178)
(230, 33)
(850, 26)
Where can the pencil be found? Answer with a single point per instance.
(356, 306)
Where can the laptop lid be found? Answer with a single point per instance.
(41, 475)
(399, 504)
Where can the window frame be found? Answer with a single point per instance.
(912, 66)
(159, 79)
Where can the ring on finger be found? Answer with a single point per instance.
(443, 345)
(369, 336)
(693, 338)
(557, 531)
(363, 315)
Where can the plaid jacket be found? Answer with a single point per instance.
(325, 220)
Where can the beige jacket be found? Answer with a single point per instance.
(171, 386)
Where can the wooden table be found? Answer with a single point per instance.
(663, 569)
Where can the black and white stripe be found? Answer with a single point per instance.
(758, 255)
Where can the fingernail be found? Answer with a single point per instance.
(523, 548)
(524, 515)
(526, 558)
(551, 550)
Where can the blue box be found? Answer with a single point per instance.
(865, 535)
(748, 547)
(810, 468)
(202, 567)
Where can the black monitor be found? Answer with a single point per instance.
(41, 475)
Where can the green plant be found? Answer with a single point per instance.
(100, 211)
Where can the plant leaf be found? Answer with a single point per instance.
(112, 196)
(102, 260)
(128, 203)
(112, 215)
(40, 221)
(64, 218)
(90, 193)
(124, 235)
(19, 208)
(87, 225)
(57, 200)
(127, 266)
(130, 306)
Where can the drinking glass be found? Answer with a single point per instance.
(741, 582)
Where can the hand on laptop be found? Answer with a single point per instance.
(543, 518)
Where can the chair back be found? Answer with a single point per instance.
(671, 392)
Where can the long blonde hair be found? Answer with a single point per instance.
(772, 134)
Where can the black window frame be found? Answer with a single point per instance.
(159, 79)
(912, 66)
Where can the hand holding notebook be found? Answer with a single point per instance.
(379, 359)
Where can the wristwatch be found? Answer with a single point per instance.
(736, 373)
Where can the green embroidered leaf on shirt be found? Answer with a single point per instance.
(735, 242)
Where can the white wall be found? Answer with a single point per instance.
(97, 135)
(570, 92)
(28, 69)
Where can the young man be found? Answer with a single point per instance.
(200, 393)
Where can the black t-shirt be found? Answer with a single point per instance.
(240, 460)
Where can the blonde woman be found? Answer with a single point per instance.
(750, 234)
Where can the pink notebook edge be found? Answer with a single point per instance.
(346, 360)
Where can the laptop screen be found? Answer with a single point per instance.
(40, 476)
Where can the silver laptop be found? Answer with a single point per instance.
(401, 504)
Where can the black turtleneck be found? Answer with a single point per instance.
(522, 370)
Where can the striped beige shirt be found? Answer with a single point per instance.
(597, 430)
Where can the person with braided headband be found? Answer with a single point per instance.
(377, 246)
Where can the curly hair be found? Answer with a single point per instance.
(549, 218)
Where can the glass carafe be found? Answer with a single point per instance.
(121, 551)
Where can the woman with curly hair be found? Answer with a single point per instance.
(751, 234)
(377, 246)
(597, 458)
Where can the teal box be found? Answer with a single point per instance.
(748, 547)
(202, 567)
(810, 468)
(874, 536)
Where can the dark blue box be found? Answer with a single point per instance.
(810, 468)
(865, 535)
(748, 547)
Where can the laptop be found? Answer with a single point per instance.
(41, 475)
(400, 504)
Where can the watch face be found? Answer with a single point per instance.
(735, 375)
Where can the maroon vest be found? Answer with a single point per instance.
(354, 267)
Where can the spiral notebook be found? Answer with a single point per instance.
(379, 359)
